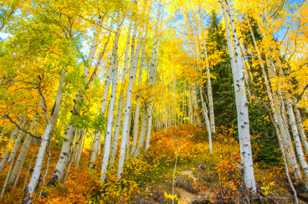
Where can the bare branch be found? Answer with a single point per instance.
(43, 99)
(18, 126)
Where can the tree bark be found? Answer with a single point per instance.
(138, 103)
(207, 120)
(12, 161)
(45, 140)
(297, 140)
(7, 152)
(152, 77)
(141, 144)
(125, 130)
(241, 104)
(97, 138)
(120, 100)
(277, 115)
(114, 71)
(301, 128)
(20, 160)
(210, 92)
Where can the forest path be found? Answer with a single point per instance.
(188, 180)
(190, 194)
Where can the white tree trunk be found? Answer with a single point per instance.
(80, 145)
(241, 106)
(97, 138)
(125, 130)
(152, 76)
(277, 117)
(142, 133)
(285, 162)
(283, 123)
(12, 161)
(190, 108)
(149, 126)
(138, 105)
(301, 128)
(120, 100)
(135, 127)
(6, 154)
(45, 140)
(107, 145)
(298, 143)
(207, 120)
(68, 139)
(64, 156)
(20, 159)
(210, 93)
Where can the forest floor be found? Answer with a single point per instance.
(176, 169)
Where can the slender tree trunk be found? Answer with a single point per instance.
(97, 138)
(149, 126)
(207, 120)
(138, 105)
(114, 67)
(190, 107)
(120, 100)
(20, 160)
(301, 128)
(210, 93)
(6, 154)
(46, 168)
(45, 140)
(64, 156)
(70, 132)
(285, 162)
(12, 161)
(277, 116)
(80, 144)
(135, 127)
(241, 105)
(28, 171)
(142, 133)
(125, 130)
(152, 78)
(298, 143)
(18, 141)
(283, 123)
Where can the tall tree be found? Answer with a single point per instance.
(240, 98)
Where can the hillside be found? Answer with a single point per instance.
(153, 101)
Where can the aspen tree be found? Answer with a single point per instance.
(97, 137)
(45, 140)
(70, 131)
(138, 104)
(241, 102)
(276, 112)
(297, 140)
(152, 75)
(12, 162)
(126, 121)
(120, 100)
(114, 71)
(301, 128)
(6, 154)
(206, 119)
(20, 159)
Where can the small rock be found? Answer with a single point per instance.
(201, 201)
(186, 182)
(158, 196)
(201, 166)
(142, 200)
